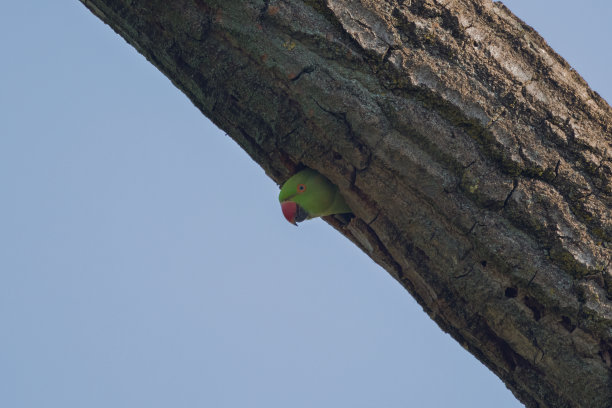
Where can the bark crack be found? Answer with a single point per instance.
(463, 275)
(515, 185)
(306, 70)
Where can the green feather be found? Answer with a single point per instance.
(320, 197)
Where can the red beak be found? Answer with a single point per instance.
(289, 210)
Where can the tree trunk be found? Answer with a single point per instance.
(477, 162)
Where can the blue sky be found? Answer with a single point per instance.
(144, 260)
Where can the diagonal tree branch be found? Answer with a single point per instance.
(477, 162)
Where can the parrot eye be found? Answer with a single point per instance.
(301, 188)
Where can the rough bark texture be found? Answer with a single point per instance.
(477, 162)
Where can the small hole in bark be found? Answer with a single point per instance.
(566, 322)
(483, 263)
(337, 156)
(536, 308)
(511, 292)
(475, 44)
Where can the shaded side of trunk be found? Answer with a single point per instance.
(477, 162)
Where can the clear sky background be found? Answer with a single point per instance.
(145, 262)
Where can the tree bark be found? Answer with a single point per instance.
(477, 162)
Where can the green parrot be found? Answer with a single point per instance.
(308, 194)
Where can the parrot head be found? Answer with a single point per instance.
(308, 194)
